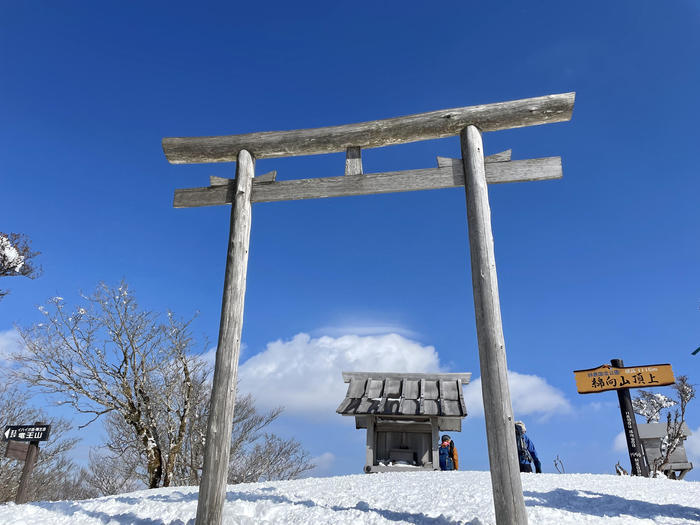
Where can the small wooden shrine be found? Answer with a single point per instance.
(404, 414)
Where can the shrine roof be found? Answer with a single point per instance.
(404, 394)
(657, 430)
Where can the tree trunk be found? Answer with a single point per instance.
(155, 467)
(177, 441)
(153, 453)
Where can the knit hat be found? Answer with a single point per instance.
(446, 438)
(521, 425)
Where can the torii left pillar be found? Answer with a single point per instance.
(212, 489)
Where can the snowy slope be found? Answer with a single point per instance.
(437, 498)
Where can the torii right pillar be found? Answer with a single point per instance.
(500, 430)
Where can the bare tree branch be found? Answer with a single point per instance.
(54, 476)
(109, 357)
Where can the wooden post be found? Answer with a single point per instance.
(629, 423)
(435, 436)
(353, 161)
(371, 446)
(500, 431)
(29, 462)
(212, 490)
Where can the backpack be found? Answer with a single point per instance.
(524, 455)
(446, 459)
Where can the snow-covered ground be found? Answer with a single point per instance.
(437, 498)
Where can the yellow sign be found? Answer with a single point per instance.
(608, 377)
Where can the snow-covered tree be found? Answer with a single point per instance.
(108, 357)
(675, 420)
(256, 455)
(16, 258)
(649, 405)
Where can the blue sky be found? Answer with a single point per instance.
(601, 264)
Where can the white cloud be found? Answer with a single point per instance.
(209, 357)
(365, 328)
(692, 446)
(620, 443)
(10, 343)
(304, 374)
(323, 463)
(530, 395)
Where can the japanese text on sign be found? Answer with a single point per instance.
(608, 377)
(27, 432)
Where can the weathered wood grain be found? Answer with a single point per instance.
(374, 134)
(436, 444)
(371, 444)
(223, 181)
(27, 469)
(270, 176)
(500, 430)
(503, 156)
(212, 490)
(451, 176)
(17, 450)
(461, 376)
(353, 161)
(499, 172)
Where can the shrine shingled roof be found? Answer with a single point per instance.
(404, 394)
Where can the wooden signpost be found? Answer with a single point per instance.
(611, 377)
(473, 171)
(617, 377)
(23, 444)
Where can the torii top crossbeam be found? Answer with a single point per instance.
(374, 134)
(472, 171)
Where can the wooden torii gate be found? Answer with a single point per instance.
(472, 171)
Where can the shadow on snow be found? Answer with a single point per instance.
(597, 504)
(575, 501)
(71, 508)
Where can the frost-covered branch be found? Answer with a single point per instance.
(675, 421)
(16, 258)
(649, 405)
(109, 356)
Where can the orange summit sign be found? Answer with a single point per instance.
(608, 377)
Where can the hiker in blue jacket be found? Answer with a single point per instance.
(449, 460)
(526, 450)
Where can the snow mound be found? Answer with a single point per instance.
(436, 498)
